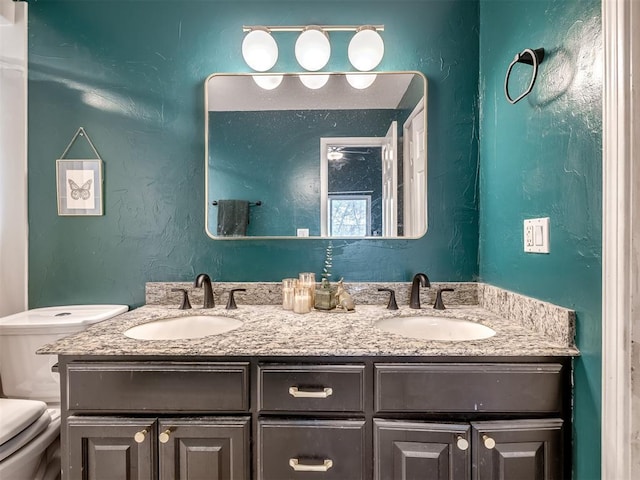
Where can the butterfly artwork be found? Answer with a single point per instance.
(80, 192)
(79, 181)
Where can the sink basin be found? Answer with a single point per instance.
(431, 327)
(178, 328)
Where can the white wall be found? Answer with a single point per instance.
(13, 157)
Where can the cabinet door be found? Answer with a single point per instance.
(420, 450)
(204, 448)
(111, 448)
(522, 449)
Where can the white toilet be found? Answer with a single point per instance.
(30, 413)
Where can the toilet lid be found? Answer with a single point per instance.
(16, 415)
(61, 319)
(25, 436)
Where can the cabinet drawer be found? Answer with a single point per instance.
(311, 388)
(319, 449)
(505, 388)
(158, 387)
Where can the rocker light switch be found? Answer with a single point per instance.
(536, 235)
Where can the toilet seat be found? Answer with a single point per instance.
(24, 437)
(16, 415)
(23, 464)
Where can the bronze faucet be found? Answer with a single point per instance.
(419, 280)
(204, 281)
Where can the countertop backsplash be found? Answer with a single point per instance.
(270, 293)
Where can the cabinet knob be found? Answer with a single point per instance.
(164, 436)
(305, 467)
(488, 442)
(462, 443)
(140, 436)
(320, 393)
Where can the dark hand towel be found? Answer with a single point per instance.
(233, 217)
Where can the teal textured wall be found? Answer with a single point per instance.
(542, 157)
(132, 74)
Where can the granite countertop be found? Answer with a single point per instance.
(270, 331)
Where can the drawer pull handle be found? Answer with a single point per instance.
(488, 442)
(140, 436)
(462, 443)
(302, 467)
(164, 436)
(297, 393)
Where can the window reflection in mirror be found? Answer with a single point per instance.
(336, 161)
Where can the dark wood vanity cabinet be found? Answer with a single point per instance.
(146, 449)
(519, 448)
(311, 418)
(156, 420)
(493, 450)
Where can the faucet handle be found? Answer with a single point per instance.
(231, 303)
(185, 304)
(392, 305)
(439, 305)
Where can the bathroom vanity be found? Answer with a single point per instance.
(314, 396)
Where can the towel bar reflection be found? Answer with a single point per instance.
(251, 204)
(530, 57)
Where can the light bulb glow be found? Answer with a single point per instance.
(313, 49)
(366, 49)
(268, 82)
(361, 81)
(314, 82)
(260, 50)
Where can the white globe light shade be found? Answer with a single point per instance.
(268, 82)
(314, 82)
(313, 49)
(361, 81)
(366, 49)
(260, 50)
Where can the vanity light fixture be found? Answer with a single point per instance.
(313, 48)
(366, 49)
(314, 82)
(260, 49)
(361, 81)
(268, 82)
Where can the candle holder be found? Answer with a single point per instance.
(288, 284)
(301, 299)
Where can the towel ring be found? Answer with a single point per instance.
(530, 57)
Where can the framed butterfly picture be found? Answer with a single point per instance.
(79, 187)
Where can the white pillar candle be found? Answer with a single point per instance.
(301, 300)
(288, 284)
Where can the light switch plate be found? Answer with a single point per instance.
(536, 235)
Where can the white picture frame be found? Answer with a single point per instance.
(79, 187)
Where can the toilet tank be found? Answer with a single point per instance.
(27, 375)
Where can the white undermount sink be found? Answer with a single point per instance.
(180, 328)
(432, 327)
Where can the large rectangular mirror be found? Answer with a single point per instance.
(316, 155)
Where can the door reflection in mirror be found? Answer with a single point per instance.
(351, 187)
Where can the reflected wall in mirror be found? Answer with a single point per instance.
(333, 161)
